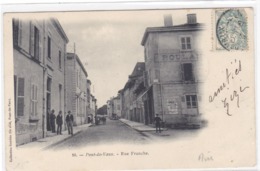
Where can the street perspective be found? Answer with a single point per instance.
(55, 94)
(96, 87)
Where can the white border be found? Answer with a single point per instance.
(65, 5)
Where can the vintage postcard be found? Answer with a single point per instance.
(130, 89)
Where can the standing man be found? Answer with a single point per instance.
(48, 119)
(157, 121)
(69, 120)
(59, 122)
(52, 120)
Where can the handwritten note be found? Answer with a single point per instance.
(230, 97)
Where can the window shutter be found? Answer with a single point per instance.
(15, 32)
(40, 46)
(20, 28)
(182, 72)
(36, 91)
(20, 106)
(31, 39)
(37, 45)
(35, 100)
(20, 86)
(32, 87)
(20, 99)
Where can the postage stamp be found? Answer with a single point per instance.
(231, 29)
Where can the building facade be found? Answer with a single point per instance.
(172, 56)
(39, 50)
(114, 106)
(132, 105)
(76, 88)
(93, 105)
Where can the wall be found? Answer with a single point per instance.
(163, 59)
(54, 71)
(26, 130)
(76, 82)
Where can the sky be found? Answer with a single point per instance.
(109, 44)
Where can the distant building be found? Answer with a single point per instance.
(39, 49)
(132, 105)
(76, 88)
(88, 109)
(109, 108)
(114, 107)
(93, 105)
(172, 54)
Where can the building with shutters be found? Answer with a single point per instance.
(172, 80)
(39, 50)
(77, 89)
(132, 104)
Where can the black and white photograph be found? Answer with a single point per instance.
(155, 89)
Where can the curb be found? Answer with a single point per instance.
(162, 129)
(60, 141)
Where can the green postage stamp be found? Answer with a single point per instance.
(231, 29)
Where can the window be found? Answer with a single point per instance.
(49, 47)
(36, 44)
(34, 100)
(187, 72)
(59, 59)
(191, 101)
(16, 32)
(19, 95)
(186, 43)
(49, 84)
(88, 95)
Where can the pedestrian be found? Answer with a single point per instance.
(48, 119)
(52, 120)
(157, 121)
(69, 120)
(59, 123)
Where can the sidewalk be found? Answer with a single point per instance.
(166, 134)
(138, 126)
(45, 143)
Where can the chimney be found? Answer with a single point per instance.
(191, 19)
(168, 20)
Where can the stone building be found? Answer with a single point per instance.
(172, 55)
(76, 88)
(114, 107)
(39, 50)
(93, 105)
(132, 107)
(88, 109)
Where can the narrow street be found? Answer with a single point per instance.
(113, 131)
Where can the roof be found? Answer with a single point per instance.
(137, 72)
(176, 28)
(60, 29)
(78, 60)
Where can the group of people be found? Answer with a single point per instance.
(59, 121)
